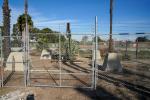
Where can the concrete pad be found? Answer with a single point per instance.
(112, 63)
(45, 54)
(17, 59)
(98, 56)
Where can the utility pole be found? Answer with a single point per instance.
(137, 46)
(110, 34)
(68, 31)
(112, 61)
(126, 49)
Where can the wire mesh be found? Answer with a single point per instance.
(62, 62)
(12, 68)
(133, 51)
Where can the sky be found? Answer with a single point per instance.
(129, 16)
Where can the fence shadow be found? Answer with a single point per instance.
(141, 90)
(98, 94)
(8, 77)
(129, 71)
(76, 67)
(83, 82)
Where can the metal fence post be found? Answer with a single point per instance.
(95, 64)
(60, 77)
(137, 45)
(1, 67)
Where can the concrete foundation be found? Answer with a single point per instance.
(112, 63)
(45, 55)
(98, 56)
(15, 62)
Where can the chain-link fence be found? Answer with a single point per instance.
(133, 51)
(62, 61)
(68, 60)
(12, 61)
(50, 59)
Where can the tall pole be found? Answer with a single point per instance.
(95, 54)
(69, 40)
(137, 45)
(1, 68)
(126, 49)
(26, 44)
(60, 76)
(111, 19)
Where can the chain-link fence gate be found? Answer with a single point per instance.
(49, 59)
(59, 60)
(12, 68)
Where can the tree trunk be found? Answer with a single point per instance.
(6, 31)
(110, 35)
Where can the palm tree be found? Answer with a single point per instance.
(6, 30)
(21, 23)
(19, 27)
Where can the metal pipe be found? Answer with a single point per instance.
(11, 36)
(60, 69)
(95, 70)
(2, 71)
(55, 86)
(57, 73)
(93, 61)
(81, 34)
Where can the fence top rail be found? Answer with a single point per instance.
(61, 33)
(133, 34)
(11, 36)
(64, 33)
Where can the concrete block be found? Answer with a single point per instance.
(112, 63)
(98, 55)
(45, 54)
(17, 65)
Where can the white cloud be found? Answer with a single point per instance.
(49, 22)
(57, 25)
(15, 12)
(38, 18)
(41, 21)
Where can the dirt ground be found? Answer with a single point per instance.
(132, 84)
(61, 93)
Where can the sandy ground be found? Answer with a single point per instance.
(133, 83)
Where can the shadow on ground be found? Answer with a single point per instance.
(142, 91)
(30, 97)
(99, 94)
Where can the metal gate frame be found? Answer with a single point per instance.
(94, 68)
(27, 62)
(93, 73)
(2, 80)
